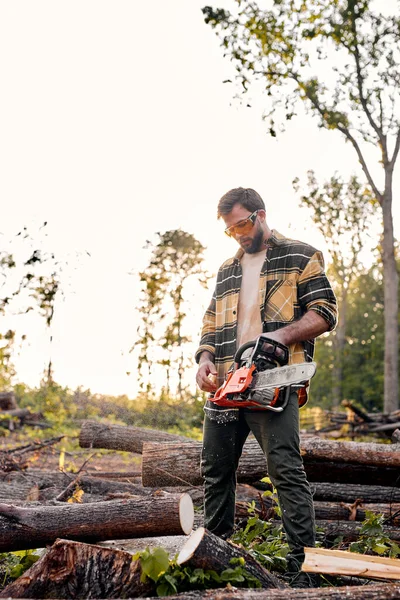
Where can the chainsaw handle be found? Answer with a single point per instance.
(242, 349)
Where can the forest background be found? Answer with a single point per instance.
(113, 169)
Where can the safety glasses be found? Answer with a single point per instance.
(242, 227)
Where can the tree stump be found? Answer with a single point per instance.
(75, 570)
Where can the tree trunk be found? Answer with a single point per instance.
(162, 514)
(204, 550)
(75, 570)
(391, 302)
(340, 340)
(121, 437)
(7, 401)
(381, 591)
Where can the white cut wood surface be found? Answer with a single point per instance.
(340, 562)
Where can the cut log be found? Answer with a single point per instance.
(7, 401)
(204, 550)
(340, 562)
(340, 492)
(18, 486)
(396, 436)
(321, 470)
(381, 591)
(354, 512)
(162, 514)
(74, 570)
(168, 464)
(362, 453)
(170, 543)
(121, 437)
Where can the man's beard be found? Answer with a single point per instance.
(257, 243)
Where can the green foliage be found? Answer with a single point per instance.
(264, 540)
(373, 540)
(14, 564)
(172, 578)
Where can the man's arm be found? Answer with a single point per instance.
(318, 302)
(206, 369)
(206, 351)
(310, 326)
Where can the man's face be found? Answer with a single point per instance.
(250, 241)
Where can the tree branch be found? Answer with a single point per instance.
(395, 152)
(364, 165)
(364, 104)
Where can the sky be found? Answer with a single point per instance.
(115, 124)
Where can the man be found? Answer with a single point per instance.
(275, 286)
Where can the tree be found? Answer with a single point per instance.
(176, 261)
(286, 47)
(342, 212)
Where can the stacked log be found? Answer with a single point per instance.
(36, 509)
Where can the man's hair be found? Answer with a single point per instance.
(246, 197)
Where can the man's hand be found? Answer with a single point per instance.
(206, 369)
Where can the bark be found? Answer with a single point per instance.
(381, 591)
(204, 550)
(7, 401)
(161, 514)
(176, 464)
(333, 511)
(121, 437)
(170, 543)
(339, 492)
(350, 473)
(365, 453)
(21, 486)
(75, 570)
(391, 303)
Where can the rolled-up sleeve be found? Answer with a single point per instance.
(315, 291)
(207, 340)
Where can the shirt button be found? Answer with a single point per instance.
(234, 312)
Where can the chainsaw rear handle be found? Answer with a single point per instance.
(262, 344)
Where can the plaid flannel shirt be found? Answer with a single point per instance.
(292, 282)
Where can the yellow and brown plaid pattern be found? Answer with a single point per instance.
(292, 282)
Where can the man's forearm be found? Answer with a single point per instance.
(206, 356)
(310, 326)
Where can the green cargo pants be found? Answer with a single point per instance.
(278, 436)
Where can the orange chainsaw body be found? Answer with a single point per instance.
(236, 383)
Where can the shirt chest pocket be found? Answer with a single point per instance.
(280, 300)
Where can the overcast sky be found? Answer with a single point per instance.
(115, 124)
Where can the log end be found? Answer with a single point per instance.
(186, 513)
(190, 546)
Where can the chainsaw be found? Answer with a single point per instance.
(261, 378)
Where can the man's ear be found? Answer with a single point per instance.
(262, 214)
